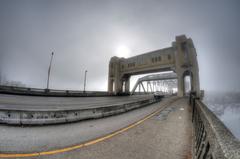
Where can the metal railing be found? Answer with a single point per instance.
(212, 139)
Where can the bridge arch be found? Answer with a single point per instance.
(187, 82)
(180, 58)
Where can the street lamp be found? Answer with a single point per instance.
(85, 76)
(49, 70)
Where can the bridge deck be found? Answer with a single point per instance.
(166, 135)
(18, 102)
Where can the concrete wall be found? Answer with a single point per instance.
(24, 117)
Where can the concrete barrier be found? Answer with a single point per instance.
(41, 117)
(50, 92)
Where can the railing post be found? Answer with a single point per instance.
(192, 101)
(193, 107)
(190, 98)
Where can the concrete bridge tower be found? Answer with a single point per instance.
(181, 58)
(186, 64)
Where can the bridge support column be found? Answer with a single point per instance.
(186, 64)
(127, 85)
(115, 80)
(114, 85)
(180, 86)
(110, 86)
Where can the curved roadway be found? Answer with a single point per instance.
(15, 139)
(17, 102)
(166, 133)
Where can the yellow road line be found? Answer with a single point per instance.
(5, 155)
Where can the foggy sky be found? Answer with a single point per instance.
(84, 35)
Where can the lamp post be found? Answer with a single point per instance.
(49, 70)
(85, 77)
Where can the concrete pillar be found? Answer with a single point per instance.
(180, 86)
(110, 86)
(195, 83)
(127, 85)
(118, 85)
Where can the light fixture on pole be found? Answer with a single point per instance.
(49, 70)
(85, 77)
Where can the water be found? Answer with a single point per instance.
(227, 107)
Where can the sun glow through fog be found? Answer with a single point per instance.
(123, 51)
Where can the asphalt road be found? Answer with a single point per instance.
(166, 135)
(18, 102)
(14, 139)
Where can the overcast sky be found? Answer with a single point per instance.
(85, 34)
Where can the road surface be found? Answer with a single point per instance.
(18, 102)
(163, 135)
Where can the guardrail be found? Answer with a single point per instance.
(212, 139)
(41, 117)
(50, 92)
